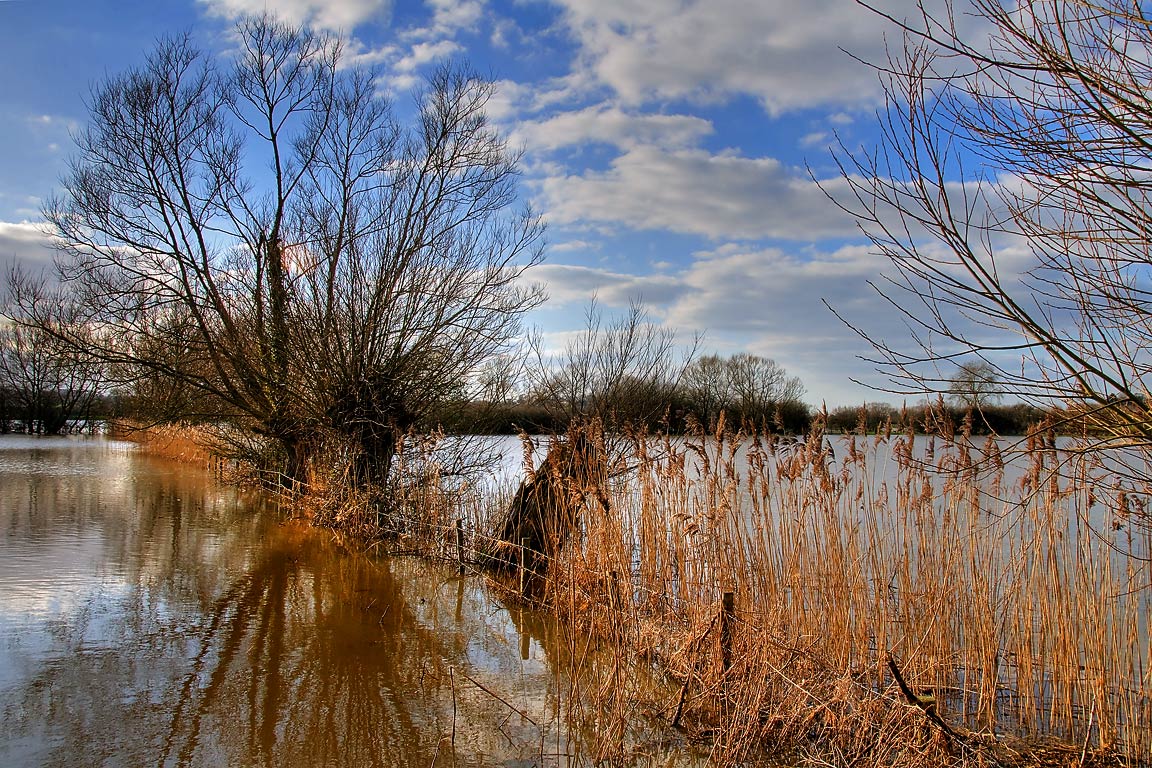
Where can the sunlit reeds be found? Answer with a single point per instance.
(1008, 584)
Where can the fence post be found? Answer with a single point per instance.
(727, 618)
(525, 640)
(460, 543)
(524, 544)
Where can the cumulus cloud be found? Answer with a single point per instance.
(514, 102)
(795, 306)
(335, 15)
(787, 54)
(765, 301)
(691, 191)
(759, 290)
(791, 305)
(451, 16)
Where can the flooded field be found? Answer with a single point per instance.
(151, 616)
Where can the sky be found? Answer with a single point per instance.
(673, 147)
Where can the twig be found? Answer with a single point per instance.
(1087, 734)
(499, 698)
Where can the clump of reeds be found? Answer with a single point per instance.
(1000, 585)
(544, 512)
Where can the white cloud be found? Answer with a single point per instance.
(451, 16)
(764, 301)
(568, 284)
(768, 301)
(614, 126)
(52, 131)
(415, 47)
(784, 53)
(816, 139)
(26, 243)
(334, 15)
(572, 245)
(515, 102)
(722, 196)
(788, 54)
(773, 291)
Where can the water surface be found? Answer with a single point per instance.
(151, 616)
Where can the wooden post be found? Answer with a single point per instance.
(727, 618)
(524, 544)
(460, 543)
(525, 641)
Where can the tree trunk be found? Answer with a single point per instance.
(297, 461)
(372, 461)
(545, 509)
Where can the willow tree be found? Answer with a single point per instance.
(1011, 194)
(264, 230)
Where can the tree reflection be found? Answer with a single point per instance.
(153, 617)
(300, 663)
(205, 632)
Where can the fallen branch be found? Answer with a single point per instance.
(926, 705)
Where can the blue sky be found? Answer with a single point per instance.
(668, 144)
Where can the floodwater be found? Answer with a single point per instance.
(150, 616)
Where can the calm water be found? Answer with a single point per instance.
(151, 617)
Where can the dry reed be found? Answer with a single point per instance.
(1013, 598)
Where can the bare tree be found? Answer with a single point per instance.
(48, 385)
(975, 385)
(267, 234)
(708, 388)
(1010, 192)
(622, 372)
(761, 386)
(414, 281)
(745, 386)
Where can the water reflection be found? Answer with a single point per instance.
(152, 617)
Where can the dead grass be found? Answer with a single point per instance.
(1007, 600)
(179, 442)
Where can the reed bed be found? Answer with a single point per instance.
(1009, 591)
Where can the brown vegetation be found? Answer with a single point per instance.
(545, 510)
(1018, 628)
(897, 598)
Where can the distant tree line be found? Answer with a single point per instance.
(940, 417)
(746, 390)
